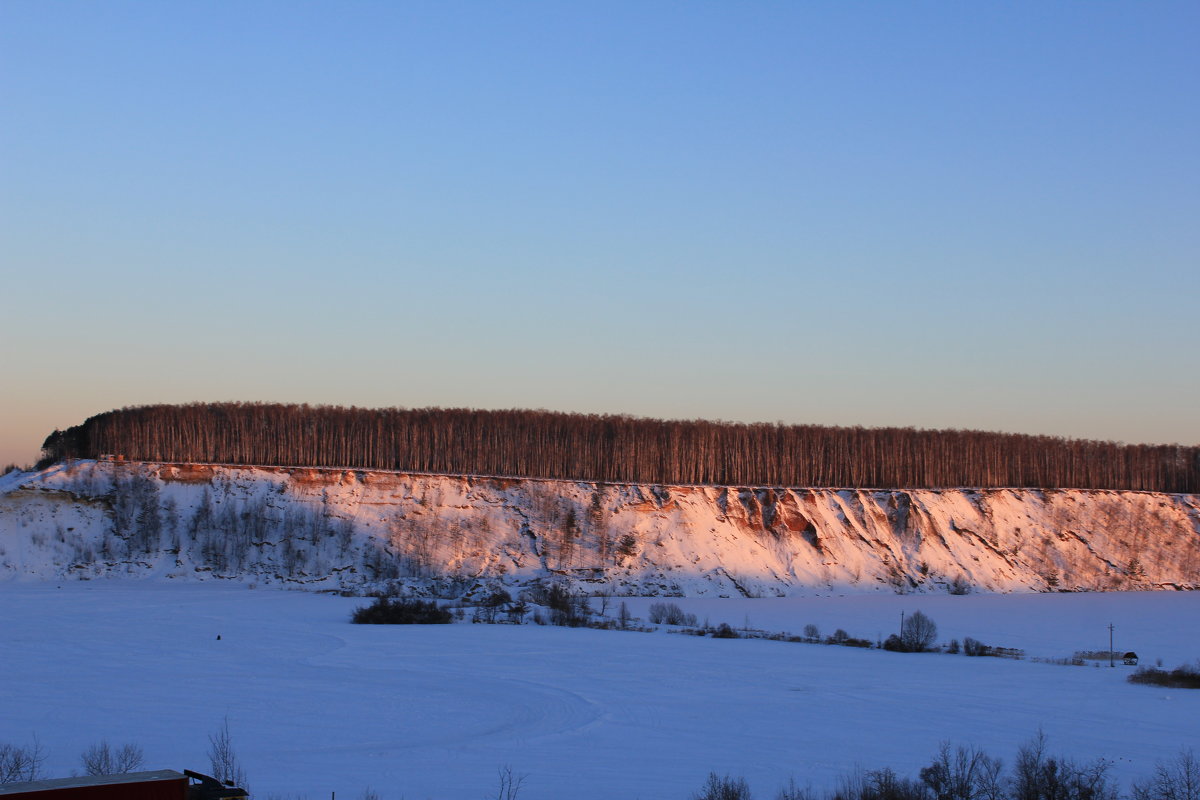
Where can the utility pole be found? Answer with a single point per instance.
(1110, 645)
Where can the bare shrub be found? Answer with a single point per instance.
(878, 784)
(724, 631)
(974, 647)
(723, 788)
(1186, 676)
(1037, 776)
(1178, 779)
(402, 611)
(794, 792)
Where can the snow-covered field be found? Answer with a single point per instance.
(317, 705)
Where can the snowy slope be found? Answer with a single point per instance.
(359, 530)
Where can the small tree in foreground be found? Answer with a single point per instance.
(963, 774)
(1037, 776)
(510, 784)
(100, 759)
(223, 761)
(19, 764)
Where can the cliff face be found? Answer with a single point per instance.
(361, 530)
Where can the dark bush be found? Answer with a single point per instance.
(401, 611)
(723, 631)
(726, 788)
(1184, 677)
(567, 608)
(670, 614)
(895, 644)
(974, 647)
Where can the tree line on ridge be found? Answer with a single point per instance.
(619, 449)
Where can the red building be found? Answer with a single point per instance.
(163, 784)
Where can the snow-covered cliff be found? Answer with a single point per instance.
(360, 530)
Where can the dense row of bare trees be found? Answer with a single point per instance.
(619, 448)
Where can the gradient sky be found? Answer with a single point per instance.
(937, 214)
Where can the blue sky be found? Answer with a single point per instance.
(930, 214)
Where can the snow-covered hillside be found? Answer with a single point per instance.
(361, 530)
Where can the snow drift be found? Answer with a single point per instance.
(361, 530)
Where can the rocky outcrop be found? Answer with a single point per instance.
(360, 530)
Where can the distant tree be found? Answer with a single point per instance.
(492, 604)
(812, 633)
(517, 611)
(918, 633)
(623, 616)
(627, 545)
